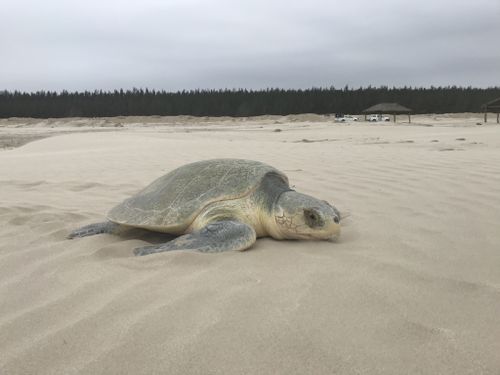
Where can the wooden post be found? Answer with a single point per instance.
(409, 118)
(394, 117)
(485, 115)
(498, 115)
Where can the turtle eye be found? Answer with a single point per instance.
(312, 218)
(336, 219)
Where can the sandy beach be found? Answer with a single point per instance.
(411, 287)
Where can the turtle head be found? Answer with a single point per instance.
(300, 216)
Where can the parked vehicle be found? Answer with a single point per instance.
(346, 118)
(376, 118)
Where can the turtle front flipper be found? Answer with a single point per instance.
(95, 228)
(215, 237)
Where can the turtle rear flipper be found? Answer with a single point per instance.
(95, 228)
(215, 237)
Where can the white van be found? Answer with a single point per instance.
(346, 118)
(376, 118)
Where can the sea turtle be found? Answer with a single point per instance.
(219, 205)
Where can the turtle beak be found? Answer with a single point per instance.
(334, 229)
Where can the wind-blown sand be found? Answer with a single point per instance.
(412, 287)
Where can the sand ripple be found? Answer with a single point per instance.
(412, 286)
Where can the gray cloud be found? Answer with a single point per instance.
(186, 44)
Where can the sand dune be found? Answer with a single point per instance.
(412, 287)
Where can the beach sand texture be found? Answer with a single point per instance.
(412, 287)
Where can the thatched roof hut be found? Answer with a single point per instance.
(491, 106)
(389, 108)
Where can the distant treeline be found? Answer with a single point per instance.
(240, 102)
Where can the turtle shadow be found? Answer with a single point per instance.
(146, 235)
(129, 239)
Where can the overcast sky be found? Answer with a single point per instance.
(188, 44)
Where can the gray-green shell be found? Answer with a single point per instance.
(174, 200)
